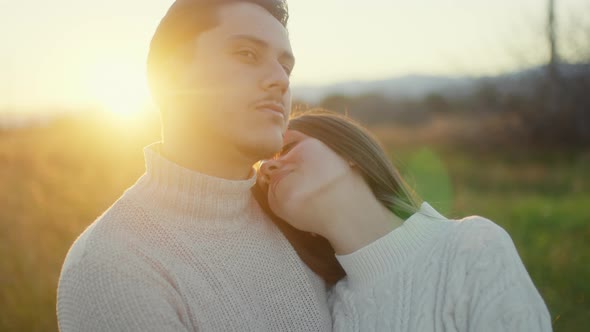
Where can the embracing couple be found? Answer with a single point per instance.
(322, 235)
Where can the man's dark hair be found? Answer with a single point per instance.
(183, 22)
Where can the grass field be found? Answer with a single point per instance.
(55, 180)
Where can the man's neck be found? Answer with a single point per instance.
(208, 159)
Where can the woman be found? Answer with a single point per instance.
(407, 267)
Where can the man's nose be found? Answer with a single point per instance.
(277, 79)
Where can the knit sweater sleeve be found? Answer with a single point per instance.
(502, 294)
(470, 278)
(94, 295)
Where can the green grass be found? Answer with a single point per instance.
(543, 200)
(55, 181)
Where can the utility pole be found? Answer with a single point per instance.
(553, 66)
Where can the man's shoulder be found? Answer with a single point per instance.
(113, 231)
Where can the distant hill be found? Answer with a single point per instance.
(411, 86)
(419, 86)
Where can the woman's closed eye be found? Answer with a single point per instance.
(286, 148)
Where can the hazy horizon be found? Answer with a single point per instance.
(67, 54)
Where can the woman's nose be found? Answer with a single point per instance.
(267, 168)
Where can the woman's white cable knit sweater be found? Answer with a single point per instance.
(182, 251)
(434, 274)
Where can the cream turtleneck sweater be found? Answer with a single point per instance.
(436, 274)
(183, 251)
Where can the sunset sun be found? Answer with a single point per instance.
(121, 90)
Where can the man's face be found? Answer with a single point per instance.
(238, 81)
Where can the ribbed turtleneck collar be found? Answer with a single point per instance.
(196, 198)
(393, 250)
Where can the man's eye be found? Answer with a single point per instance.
(247, 54)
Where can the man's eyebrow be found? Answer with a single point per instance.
(285, 55)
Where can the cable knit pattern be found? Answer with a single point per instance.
(183, 251)
(434, 274)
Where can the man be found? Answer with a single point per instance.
(187, 247)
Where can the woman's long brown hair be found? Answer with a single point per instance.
(354, 143)
(314, 250)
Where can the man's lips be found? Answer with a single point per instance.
(271, 106)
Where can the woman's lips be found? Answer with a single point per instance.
(277, 177)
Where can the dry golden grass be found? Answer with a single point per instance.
(56, 180)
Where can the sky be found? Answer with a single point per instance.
(79, 53)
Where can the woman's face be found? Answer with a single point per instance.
(305, 169)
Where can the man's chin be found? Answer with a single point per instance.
(258, 152)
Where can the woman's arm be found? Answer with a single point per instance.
(498, 288)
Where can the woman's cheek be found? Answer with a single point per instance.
(287, 207)
(280, 201)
